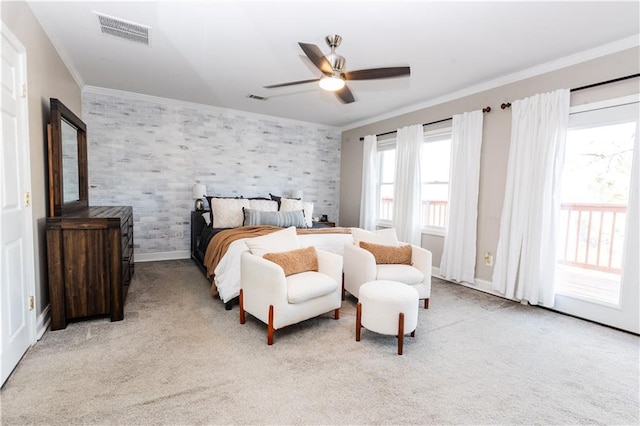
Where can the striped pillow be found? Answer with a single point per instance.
(283, 219)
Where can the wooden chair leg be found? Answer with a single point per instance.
(242, 320)
(400, 332)
(270, 326)
(358, 319)
(336, 313)
(426, 303)
(344, 294)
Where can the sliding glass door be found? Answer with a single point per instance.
(597, 267)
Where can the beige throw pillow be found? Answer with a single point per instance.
(397, 255)
(295, 261)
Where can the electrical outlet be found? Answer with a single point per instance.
(488, 259)
(179, 235)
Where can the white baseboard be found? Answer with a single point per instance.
(480, 284)
(165, 255)
(484, 286)
(42, 322)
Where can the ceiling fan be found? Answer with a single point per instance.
(335, 77)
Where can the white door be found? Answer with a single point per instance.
(16, 236)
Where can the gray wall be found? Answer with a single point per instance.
(148, 152)
(47, 77)
(495, 143)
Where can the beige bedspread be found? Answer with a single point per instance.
(222, 240)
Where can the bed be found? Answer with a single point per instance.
(217, 249)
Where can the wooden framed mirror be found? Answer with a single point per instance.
(67, 149)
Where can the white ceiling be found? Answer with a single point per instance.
(218, 52)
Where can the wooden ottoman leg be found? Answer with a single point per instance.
(270, 326)
(358, 318)
(400, 332)
(241, 308)
(336, 313)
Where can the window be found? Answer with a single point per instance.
(435, 163)
(594, 197)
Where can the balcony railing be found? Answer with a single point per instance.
(434, 213)
(592, 236)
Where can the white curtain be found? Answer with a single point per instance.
(406, 194)
(459, 253)
(631, 263)
(526, 255)
(368, 199)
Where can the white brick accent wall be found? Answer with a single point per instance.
(148, 152)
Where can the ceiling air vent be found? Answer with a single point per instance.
(256, 97)
(124, 30)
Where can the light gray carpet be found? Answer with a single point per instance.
(180, 358)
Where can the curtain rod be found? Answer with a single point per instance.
(486, 109)
(588, 86)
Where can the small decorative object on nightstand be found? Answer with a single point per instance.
(323, 224)
(198, 191)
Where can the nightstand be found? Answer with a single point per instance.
(324, 224)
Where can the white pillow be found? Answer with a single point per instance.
(264, 205)
(386, 237)
(227, 212)
(276, 242)
(290, 204)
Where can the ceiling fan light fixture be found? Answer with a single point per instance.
(332, 83)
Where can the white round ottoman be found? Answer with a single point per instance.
(387, 307)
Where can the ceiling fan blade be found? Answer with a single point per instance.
(314, 53)
(345, 95)
(374, 73)
(291, 83)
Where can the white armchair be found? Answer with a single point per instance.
(360, 267)
(279, 301)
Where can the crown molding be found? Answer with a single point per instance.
(567, 61)
(59, 48)
(185, 104)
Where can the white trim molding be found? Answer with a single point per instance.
(43, 321)
(164, 255)
(480, 284)
(59, 47)
(567, 61)
(184, 104)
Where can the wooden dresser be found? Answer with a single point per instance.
(90, 255)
